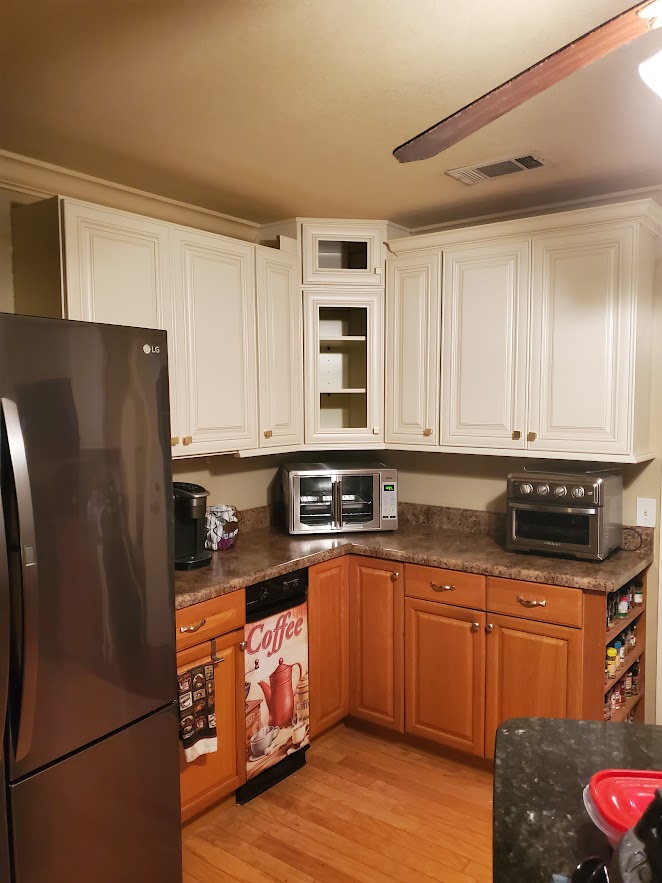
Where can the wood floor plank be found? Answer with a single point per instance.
(249, 853)
(362, 810)
(391, 856)
(367, 824)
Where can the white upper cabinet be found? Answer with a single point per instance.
(344, 368)
(583, 343)
(484, 344)
(117, 271)
(413, 313)
(280, 348)
(345, 253)
(217, 371)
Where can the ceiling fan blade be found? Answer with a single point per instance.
(596, 44)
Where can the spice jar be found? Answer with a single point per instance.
(612, 661)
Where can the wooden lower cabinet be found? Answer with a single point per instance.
(533, 669)
(214, 776)
(328, 643)
(376, 641)
(445, 674)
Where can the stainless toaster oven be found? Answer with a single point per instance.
(574, 514)
(335, 497)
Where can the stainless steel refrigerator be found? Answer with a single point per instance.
(89, 777)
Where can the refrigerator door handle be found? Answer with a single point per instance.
(29, 576)
(4, 620)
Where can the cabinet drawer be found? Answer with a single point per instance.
(209, 619)
(449, 586)
(516, 598)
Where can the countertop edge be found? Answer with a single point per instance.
(347, 547)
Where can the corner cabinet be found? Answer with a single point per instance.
(342, 253)
(344, 368)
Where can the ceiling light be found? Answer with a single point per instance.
(650, 72)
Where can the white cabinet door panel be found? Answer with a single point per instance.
(214, 277)
(280, 348)
(484, 345)
(413, 311)
(581, 340)
(117, 272)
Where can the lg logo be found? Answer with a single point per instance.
(147, 349)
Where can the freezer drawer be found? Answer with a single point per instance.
(107, 814)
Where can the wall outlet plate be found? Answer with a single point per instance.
(646, 512)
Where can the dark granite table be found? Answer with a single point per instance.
(541, 768)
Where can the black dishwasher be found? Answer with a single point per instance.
(276, 681)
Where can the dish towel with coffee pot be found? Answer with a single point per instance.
(197, 711)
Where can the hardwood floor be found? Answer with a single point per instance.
(361, 809)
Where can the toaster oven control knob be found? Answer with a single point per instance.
(526, 488)
(543, 489)
(561, 490)
(578, 492)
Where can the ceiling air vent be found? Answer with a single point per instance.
(498, 168)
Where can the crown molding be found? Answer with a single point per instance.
(33, 177)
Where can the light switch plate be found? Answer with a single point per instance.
(646, 512)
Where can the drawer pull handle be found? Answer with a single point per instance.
(395, 576)
(530, 602)
(438, 588)
(183, 629)
(242, 646)
(474, 627)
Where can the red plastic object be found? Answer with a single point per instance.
(622, 796)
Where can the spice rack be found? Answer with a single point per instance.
(620, 672)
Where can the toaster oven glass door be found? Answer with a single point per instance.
(569, 528)
(316, 503)
(359, 501)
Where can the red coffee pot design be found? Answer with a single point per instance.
(279, 694)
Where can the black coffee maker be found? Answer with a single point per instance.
(190, 525)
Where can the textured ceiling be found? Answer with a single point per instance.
(266, 109)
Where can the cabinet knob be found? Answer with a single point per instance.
(183, 629)
(242, 646)
(395, 576)
(427, 433)
(530, 602)
(531, 436)
(474, 627)
(268, 433)
(174, 440)
(439, 588)
(517, 435)
(187, 440)
(489, 628)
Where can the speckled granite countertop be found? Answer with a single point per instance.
(541, 769)
(265, 552)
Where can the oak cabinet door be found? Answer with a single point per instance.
(582, 341)
(117, 272)
(413, 316)
(376, 614)
(445, 674)
(214, 281)
(533, 670)
(328, 643)
(484, 345)
(211, 777)
(280, 348)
